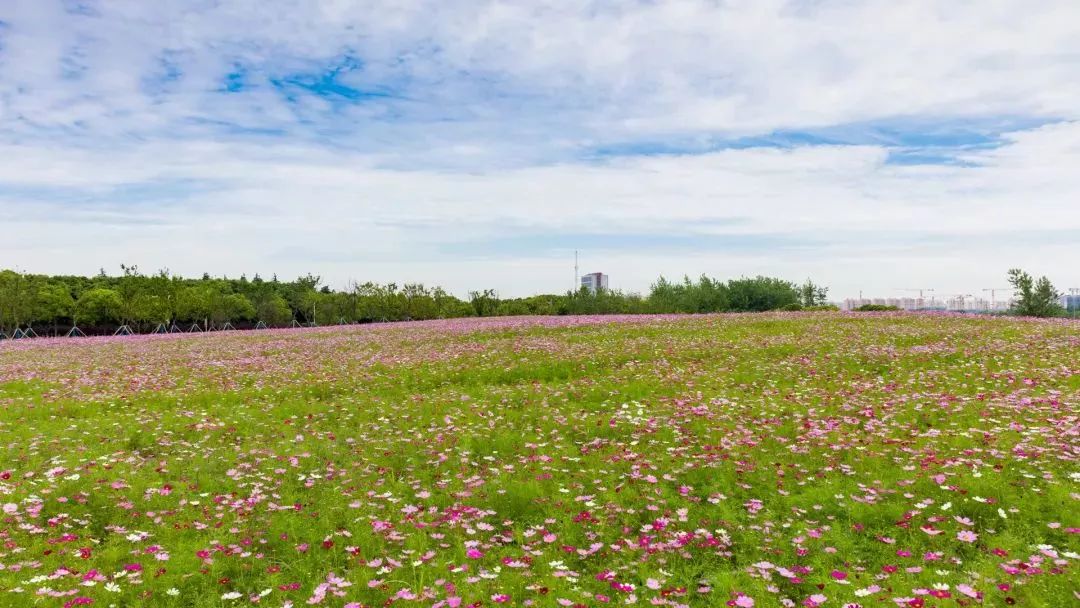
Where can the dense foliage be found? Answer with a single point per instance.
(752, 461)
(876, 308)
(164, 302)
(1035, 298)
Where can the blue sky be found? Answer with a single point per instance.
(477, 144)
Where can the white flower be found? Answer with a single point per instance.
(173, 591)
(112, 587)
(872, 589)
(232, 595)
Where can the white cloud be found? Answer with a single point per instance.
(492, 107)
(836, 212)
(613, 68)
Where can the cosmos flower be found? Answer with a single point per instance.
(967, 536)
(595, 461)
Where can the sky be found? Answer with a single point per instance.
(873, 146)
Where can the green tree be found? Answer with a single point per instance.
(146, 308)
(419, 303)
(238, 308)
(664, 296)
(485, 302)
(54, 303)
(99, 305)
(18, 298)
(273, 310)
(761, 294)
(131, 287)
(1035, 298)
(711, 295)
(193, 304)
(811, 295)
(164, 288)
(300, 298)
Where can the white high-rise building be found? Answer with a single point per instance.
(595, 281)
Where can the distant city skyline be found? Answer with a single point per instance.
(867, 145)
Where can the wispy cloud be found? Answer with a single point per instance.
(463, 141)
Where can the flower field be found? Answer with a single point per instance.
(731, 460)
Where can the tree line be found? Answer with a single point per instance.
(141, 303)
(1033, 298)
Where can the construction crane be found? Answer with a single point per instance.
(993, 294)
(920, 290)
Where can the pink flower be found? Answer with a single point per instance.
(968, 590)
(500, 598)
(967, 536)
(474, 553)
(744, 601)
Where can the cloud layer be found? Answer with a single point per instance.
(871, 145)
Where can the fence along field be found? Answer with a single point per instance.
(726, 460)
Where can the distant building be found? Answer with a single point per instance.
(594, 281)
(1071, 302)
(958, 303)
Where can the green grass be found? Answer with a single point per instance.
(625, 453)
